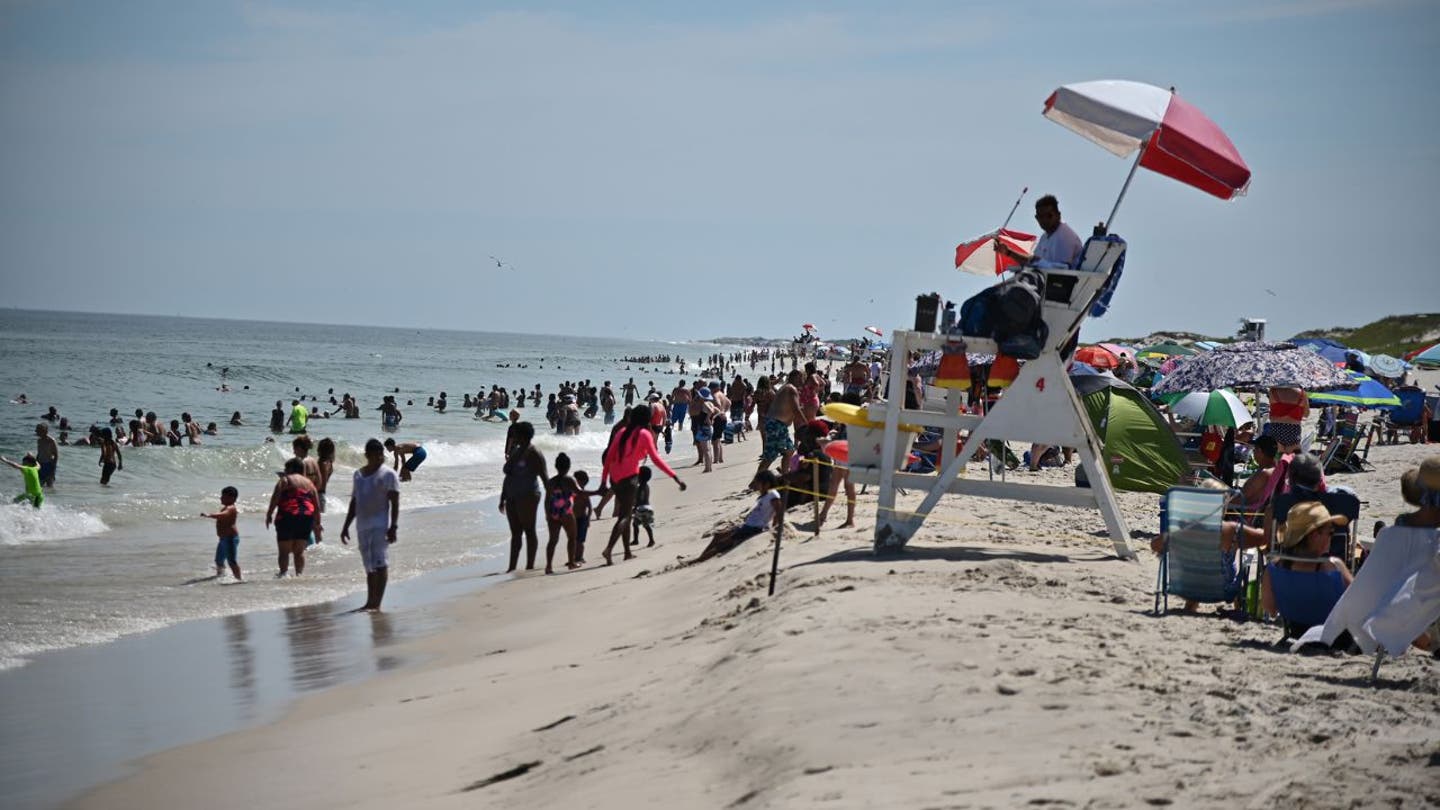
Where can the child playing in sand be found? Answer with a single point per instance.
(644, 516)
(560, 493)
(582, 513)
(767, 513)
(228, 539)
(30, 471)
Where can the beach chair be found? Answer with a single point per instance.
(1340, 454)
(1338, 501)
(1408, 417)
(1192, 566)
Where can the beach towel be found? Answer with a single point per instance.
(1394, 598)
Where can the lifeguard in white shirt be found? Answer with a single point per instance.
(1059, 246)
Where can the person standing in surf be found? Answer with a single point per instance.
(375, 509)
(47, 453)
(297, 503)
(299, 417)
(110, 458)
(227, 543)
(525, 476)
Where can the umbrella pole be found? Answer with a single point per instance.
(1013, 208)
(1110, 221)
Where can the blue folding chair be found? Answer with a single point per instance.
(1192, 565)
(1337, 502)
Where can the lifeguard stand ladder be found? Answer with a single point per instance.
(1040, 406)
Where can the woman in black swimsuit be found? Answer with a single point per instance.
(525, 476)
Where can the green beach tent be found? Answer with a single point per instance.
(1141, 453)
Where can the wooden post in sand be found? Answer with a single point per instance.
(779, 530)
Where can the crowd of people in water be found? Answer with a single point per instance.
(719, 407)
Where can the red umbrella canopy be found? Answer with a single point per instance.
(978, 256)
(875, 330)
(1097, 357)
(807, 326)
(1180, 142)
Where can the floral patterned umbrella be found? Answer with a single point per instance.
(1255, 364)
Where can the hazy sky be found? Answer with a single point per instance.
(683, 170)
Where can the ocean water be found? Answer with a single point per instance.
(99, 562)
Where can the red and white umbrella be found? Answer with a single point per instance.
(875, 330)
(979, 256)
(1097, 357)
(807, 326)
(1174, 138)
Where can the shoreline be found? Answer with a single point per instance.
(1004, 659)
(150, 691)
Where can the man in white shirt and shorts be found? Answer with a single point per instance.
(375, 509)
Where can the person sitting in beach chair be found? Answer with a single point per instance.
(768, 512)
(1303, 582)
(1198, 546)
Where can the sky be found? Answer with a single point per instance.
(687, 170)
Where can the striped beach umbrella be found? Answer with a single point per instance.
(1368, 393)
(1221, 408)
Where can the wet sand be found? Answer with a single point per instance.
(74, 718)
(1007, 659)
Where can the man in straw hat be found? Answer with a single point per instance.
(1305, 583)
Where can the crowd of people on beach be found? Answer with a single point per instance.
(720, 408)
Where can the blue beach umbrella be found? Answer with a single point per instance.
(1326, 348)
(1367, 394)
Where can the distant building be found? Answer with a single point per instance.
(1251, 329)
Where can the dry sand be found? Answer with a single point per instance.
(1008, 660)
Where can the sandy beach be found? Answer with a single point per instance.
(1008, 659)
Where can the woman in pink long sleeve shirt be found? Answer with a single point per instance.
(630, 444)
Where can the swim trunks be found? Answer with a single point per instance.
(582, 528)
(777, 441)
(225, 550)
(704, 433)
(47, 473)
(644, 516)
(416, 458)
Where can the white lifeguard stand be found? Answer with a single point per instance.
(1252, 329)
(1040, 406)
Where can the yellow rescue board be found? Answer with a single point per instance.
(859, 416)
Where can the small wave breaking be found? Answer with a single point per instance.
(22, 523)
